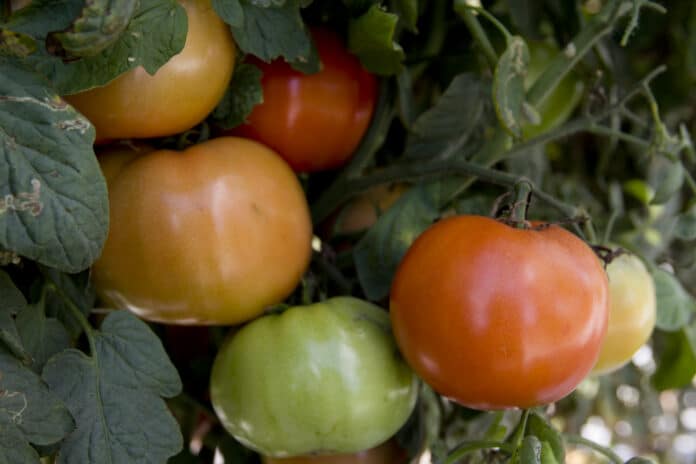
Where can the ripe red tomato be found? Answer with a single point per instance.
(315, 121)
(494, 317)
(210, 235)
(178, 96)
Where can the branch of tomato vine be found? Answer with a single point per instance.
(578, 440)
(477, 31)
(77, 314)
(470, 446)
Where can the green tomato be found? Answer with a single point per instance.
(320, 379)
(558, 107)
(632, 312)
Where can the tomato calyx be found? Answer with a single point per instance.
(608, 254)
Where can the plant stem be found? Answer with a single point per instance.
(468, 447)
(477, 31)
(578, 440)
(77, 314)
(523, 190)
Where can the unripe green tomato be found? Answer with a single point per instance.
(320, 379)
(558, 106)
(632, 312)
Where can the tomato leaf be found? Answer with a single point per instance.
(243, 94)
(540, 427)
(407, 10)
(666, 177)
(268, 29)
(508, 85)
(16, 44)
(685, 228)
(114, 395)
(28, 410)
(444, 129)
(371, 38)
(676, 363)
(156, 32)
(674, 304)
(100, 25)
(77, 288)
(527, 16)
(42, 336)
(55, 206)
(548, 456)
(11, 302)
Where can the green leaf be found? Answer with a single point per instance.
(54, 205)
(508, 85)
(407, 10)
(666, 177)
(156, 32)
(115, 396)
(371, 38)
(268, 29)
(540, 428)
(640, 190)
(13, 446)
(379, 252)
(27, 405)
(530, 452)
(78, 289)
(43, 337)
(527, 16)
(685, 228)
(548, 456)
(99, 26)
(16, 44)
(676, 362)
(11, 302)
(244, 93)
(674, 304)
(445, 128)
(638, 460)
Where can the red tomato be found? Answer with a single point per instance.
(494, 316)
(315, 121)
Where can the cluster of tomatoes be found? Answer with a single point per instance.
(490, 315)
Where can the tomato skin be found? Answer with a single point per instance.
(632, 312)
(558, 106)
(497, 317)
(363, 211)
(317, 379)
(178, 96)
(210, 235)
(315, 121)
(387, 453)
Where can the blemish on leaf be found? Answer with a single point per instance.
(24, 201)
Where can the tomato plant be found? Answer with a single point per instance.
(315, 121)
(178, 96)
(193, 232)
(318, 379)
(561, 103)
(523, 310)
(362, 212)
(386, 453)
(632, 312)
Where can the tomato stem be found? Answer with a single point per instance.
(578, 440)
(518, 212)
(469, 446)
(477, 32)
(77, 314)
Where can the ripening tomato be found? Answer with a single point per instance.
(632, 312)
(210, 235)
(387, 453)
(178, 96)
(319, 379)
(558, 106)
(364, 210)
(494, 316)
(315, 121)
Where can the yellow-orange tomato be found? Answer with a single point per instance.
(314, 121)
(210, 235)
(632, 312)
(178, 96)
(387, 453)
(364, 210)
(494, 316)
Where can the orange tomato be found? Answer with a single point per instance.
(178, 96)
(315, 121)
(495, 317)
(210, 235)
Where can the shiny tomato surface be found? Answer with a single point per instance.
(315, 121)
(387, 453)
(495, 317)
(178, 96)
(210, 235)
